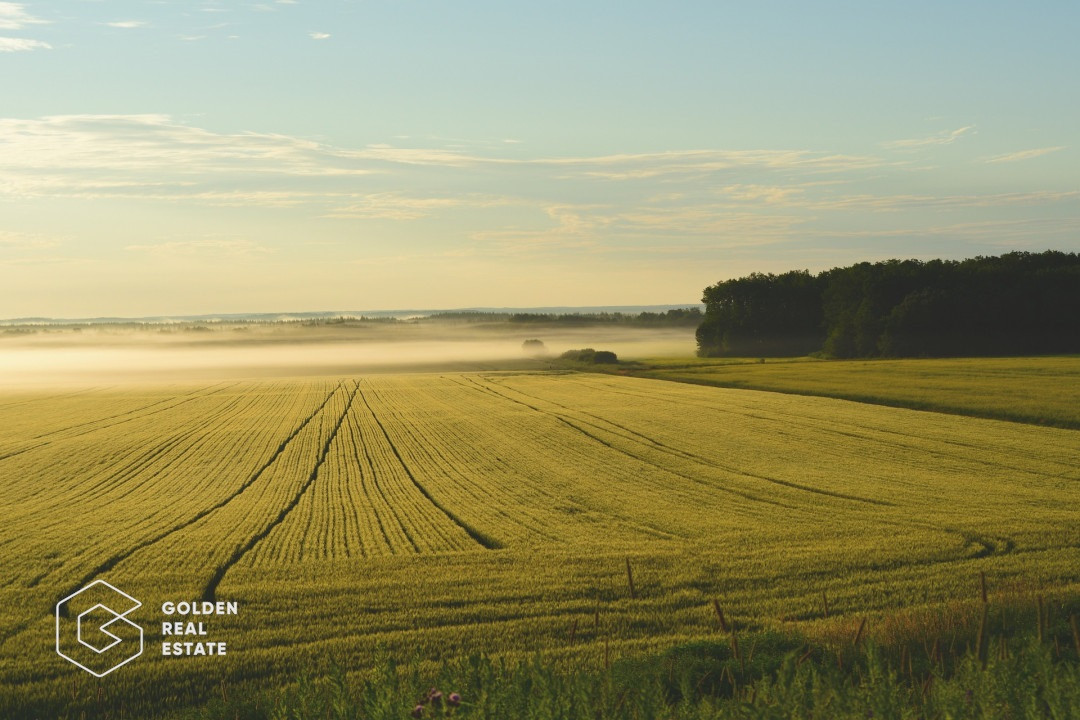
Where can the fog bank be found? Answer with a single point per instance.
(112, 357)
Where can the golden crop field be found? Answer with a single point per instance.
(430, 516)
(1041, 390)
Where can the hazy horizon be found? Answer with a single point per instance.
(383, 313)
(104, 354)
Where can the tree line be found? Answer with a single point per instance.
(675, 316)
(1012, 304)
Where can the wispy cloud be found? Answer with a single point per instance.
(1034, 232)
(23, 241)
(905, 201)
(215, 198)
(13, 16)
(397, 206)
(605, 229)
(44, 260)
(426, 257)
(318, 35)
(1024, 154)
(127, 24)
(23, 249)
(943, 138)
(772, 195)
(8, 44)
(645, 166)
(83, 153)
(203, 246)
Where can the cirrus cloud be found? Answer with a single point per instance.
(947, 137)
(1024, 154)
(13, 16)
(10, 44)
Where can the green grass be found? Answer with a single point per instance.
(998, 669)
(1040, 390)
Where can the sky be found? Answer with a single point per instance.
(197, 156)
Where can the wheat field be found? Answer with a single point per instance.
(435, 515)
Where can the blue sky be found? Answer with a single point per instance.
(184, 157)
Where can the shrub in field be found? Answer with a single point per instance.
(588, 355)
(534, 348)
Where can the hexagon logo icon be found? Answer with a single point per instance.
(93, 631)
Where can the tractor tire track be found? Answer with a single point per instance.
(699, 459)
(712, 487)
(129, 466)
(110, 563)
(97, 426)
(483, 540)
(577, 428)
(137, 460)
(863, 432)
(443, 448)
(210, 590)
(985, 546)
(542, 490)
(47, 398)
(605, 443)
(378, 489)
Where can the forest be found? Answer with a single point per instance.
(1019, 303)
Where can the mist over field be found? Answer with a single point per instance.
(106, 354)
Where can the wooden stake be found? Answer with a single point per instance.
(720, 615)
(858, 634)
(630, 579)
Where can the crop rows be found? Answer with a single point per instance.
(421, 464)
(445, 514)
